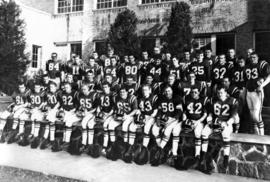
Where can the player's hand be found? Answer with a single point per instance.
(224, 125)
(209, 119)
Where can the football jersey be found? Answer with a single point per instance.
(254, 72)
(158, 71)
(68, 101)
(36, 99)
(112, 70)
(125, 106)
(53, 68)
(194, 108)
(132, 88)
(168, 107)
(222, 110)
(76, 70)
(201, 70)
(185, 87)
(91, 84)
(177, 71)
(87, 102)
(96, 69)
(52, 98)
(148, 105)
(20, 98)
(131, 70)
(220, 71)
(238, 76)
(105, 102)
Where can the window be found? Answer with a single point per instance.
(203, 42)
(225, 42)
(100, 47)
(35, 55)
(154, 1)
(66, 6)
(76, 49)
(148, 44)
(103, 4)
(262, 44)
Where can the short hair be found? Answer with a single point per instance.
(199, 52)
(37, 83)
(54, 53)
(208, 49)
(241, 57)
(123, 88)
(52, 83)
(106, 83)
(221, 86)
(254, 53)
(150, 74)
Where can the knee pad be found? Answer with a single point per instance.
(132, 127)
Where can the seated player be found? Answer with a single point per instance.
(124, 111)
(194, 107)
(68, 105)
(87, 107)
(52, 107)
(131, 85)
(170, 110)
(105, 103)
(36, 103)
(172, 82)
(16, 111)
(222, 114)
(258, 75)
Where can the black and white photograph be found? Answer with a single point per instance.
(134, 90)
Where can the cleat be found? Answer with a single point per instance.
(35, 142)
(128, 155)
(30, 138)
(23, 140)
(44, 144)
(56, 146)
(204, 169)
(83, 149)
(65, 146)
(172, 160)
(197, 163)
(11, 136)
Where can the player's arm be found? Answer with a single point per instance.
(266, 75)
(134, 107)
(234, 112)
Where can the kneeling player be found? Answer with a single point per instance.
(17, 111)
(170, 110)
(194, 107)
(222, 114)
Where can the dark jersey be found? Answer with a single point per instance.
(148, 105)
(158, 71)
(220, 71)
(185, 87)
(131, 70)
(105, 102)
(96, 69)
(68, 101)
(53, 69)
(222, 110)
(20, 98)
(76, 70)
(87, 102)
(112, 70)
(125, 106)
(131, 88)
(255, 72)
(194, 108)
(201, 70)
(36, 99)
(177, 71)
(168, 107)
(238, 76)
(52, 99)
(91, 84)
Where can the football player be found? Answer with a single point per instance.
(51, 98)
(131, 69)
(87, 107)
(92, 66)
(131, 85)
(222, 113)
(238, 74)
(209, 58)
(170, 112)
(90, 81)
(17, 111)
(157, 69)
(176, 69)
(124, 111)
(194, 107)
(113, 69)
(36, 103)
(105, 103)
(54, 69)
(172, 82)
(185, 86)
(68, 105)
(258, 77)
(76, 69)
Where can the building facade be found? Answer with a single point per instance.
(81, 26)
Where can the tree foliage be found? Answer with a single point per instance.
(122, 35)
(12, 46)
(179, 34)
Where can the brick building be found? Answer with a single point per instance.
(81, 26)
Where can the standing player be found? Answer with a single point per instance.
(54, 69)
(176, 69)
(170, 111)
(157, 69)
(131, 85)
(194, 107)
(92, 66)
(238, 74)
(258, 77)
(131, 69)
(222, 114)
(18, 113)
(113, 69)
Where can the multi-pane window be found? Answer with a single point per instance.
(103, 4)
(154, 1)
(66, 6)
(76, 49)
(35, 56)
(203, 42)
